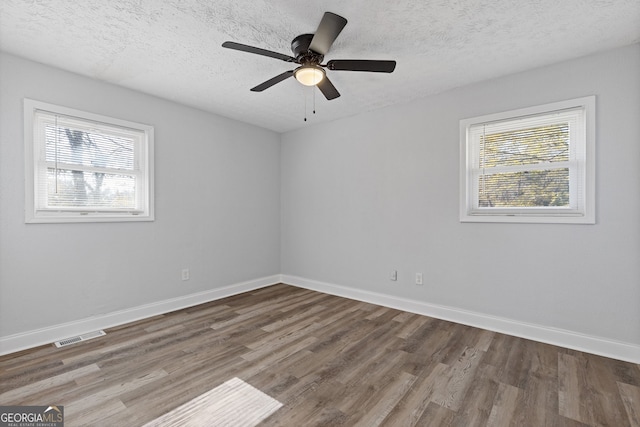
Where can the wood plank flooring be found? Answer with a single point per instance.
(330, 361)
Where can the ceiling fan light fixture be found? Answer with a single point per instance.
(309, 51)
(309, 75)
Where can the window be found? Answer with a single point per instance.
(83, 167)
(531, 165)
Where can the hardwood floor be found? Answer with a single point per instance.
(330, 361)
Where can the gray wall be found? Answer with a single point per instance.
(342, 203)
(379, 191)
(217, 209)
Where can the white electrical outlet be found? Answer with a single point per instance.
(418, 278)
(394, 275)
(185, 274)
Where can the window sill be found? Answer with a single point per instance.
(529, 219)
(51, 218)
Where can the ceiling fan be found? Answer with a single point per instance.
(309, 51)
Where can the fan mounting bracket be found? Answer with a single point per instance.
(300, 49)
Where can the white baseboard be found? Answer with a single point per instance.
(560, 337)
(564, 338)
(30, 339)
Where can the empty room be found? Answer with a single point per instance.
(285, 213)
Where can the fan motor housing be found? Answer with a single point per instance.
(300, 49)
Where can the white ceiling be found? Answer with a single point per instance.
(172, 48)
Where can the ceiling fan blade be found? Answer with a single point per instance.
(271, 82)
(327, 32)
(362, 65)
(258, 51)
(328, 89)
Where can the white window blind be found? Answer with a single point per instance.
(87, 167)
(529, 165)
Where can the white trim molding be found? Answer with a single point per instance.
(34, 338)
(564, 338)
(627, 352)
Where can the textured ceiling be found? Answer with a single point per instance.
(172, 48)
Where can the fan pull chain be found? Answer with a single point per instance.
(306, 95)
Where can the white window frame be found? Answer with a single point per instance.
(36, 212)
(581, 166)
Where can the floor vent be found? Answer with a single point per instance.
(84, 337)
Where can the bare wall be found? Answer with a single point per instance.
(379, 191)
(342, 203)
(216, 202)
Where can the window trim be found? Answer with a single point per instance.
(70, 215)
(585, 167)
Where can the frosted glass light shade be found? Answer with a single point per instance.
(309, 76)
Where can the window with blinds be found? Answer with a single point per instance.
(531, 165)
(84, 167)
